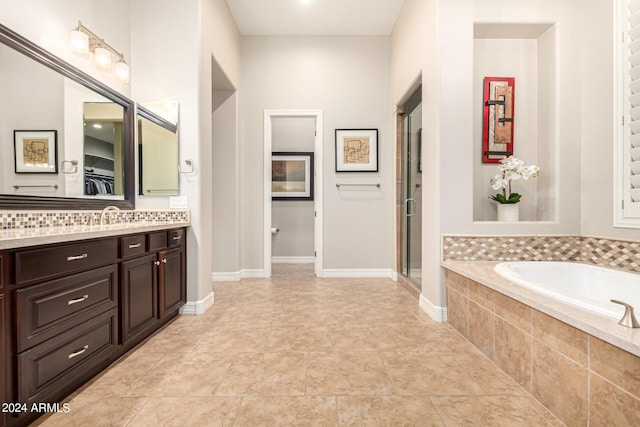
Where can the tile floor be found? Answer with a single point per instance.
(300, 351)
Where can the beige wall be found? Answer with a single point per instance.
(347, 78)
(176, 66)
(414, 53)
(441, 32)
(48, 23)
(220, 40)
(597, 122)
(294, 218)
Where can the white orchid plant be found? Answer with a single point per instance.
(510, 169)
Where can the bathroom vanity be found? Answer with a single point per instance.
(69, 309)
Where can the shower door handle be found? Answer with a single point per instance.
(410, 202)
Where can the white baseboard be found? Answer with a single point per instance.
(198, 307)
(357, 272)
(226, 277)
(236, 276)
(439, 314)
(293, 260)
(250, 274)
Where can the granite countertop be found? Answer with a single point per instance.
(602, 327)
(19, 238)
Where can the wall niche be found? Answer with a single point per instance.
(526, 52)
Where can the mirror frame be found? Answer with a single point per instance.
(146, 113)
(38, 54)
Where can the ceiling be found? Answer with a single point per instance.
(315, 17)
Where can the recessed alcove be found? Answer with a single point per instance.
(526, 52)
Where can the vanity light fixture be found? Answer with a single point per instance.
(83, 41)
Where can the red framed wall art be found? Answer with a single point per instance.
(497, 133)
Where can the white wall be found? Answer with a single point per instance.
(219, 55)
(202, 29)
(225, 183)
(156, 79)
(347, 78)
(448, 101)
(597, 122)
(415, 53)
(294, 218)
(47, 24)
(516, 58)
(33, 98)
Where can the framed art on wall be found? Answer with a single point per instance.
(498, 112)
(36, 151)
(356, 150)
(292, 176)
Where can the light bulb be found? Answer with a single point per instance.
(122, 71)
(103, 59)
(79, 43)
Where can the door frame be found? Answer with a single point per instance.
(400, 180)
(317, 199)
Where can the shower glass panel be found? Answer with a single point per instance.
(412, 185)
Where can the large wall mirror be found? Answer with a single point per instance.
(158, 152)
(66, 139)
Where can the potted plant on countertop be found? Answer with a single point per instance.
(510, 169)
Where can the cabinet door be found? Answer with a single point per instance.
(172, 285)
(139, 296)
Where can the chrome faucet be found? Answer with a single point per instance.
(628, 319)
(105, 213)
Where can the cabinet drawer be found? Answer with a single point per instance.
(176, 237)
(50, 308)
(157, 240)
(51, 367)
(53, 261)
(133, 246)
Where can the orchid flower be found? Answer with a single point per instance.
(511, 169)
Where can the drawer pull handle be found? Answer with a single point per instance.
(77, 257)
(177, 237)
(164, 261)
(156, 262)
(136, 245)
(79, 352)
(77, 300)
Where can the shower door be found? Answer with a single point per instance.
(412, 187)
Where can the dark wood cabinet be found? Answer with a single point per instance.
(153, 283)
(50, 308)
(139, 295)
(171, 281)
(56, 367)
(69, 310)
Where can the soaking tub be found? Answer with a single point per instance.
(587, 286)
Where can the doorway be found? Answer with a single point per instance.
(294, 233)
(410, 195)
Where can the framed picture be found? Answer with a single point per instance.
(36, 151)
(291, 176)
(497, 117)
(356, 150)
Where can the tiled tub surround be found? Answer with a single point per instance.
(582, 367)
(616, 253)
(29, 228)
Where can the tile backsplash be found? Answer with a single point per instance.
(12, 220)
(621, 254)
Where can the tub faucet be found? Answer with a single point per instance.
(105, 213)
(628, 319)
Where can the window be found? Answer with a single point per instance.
(627, 139)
